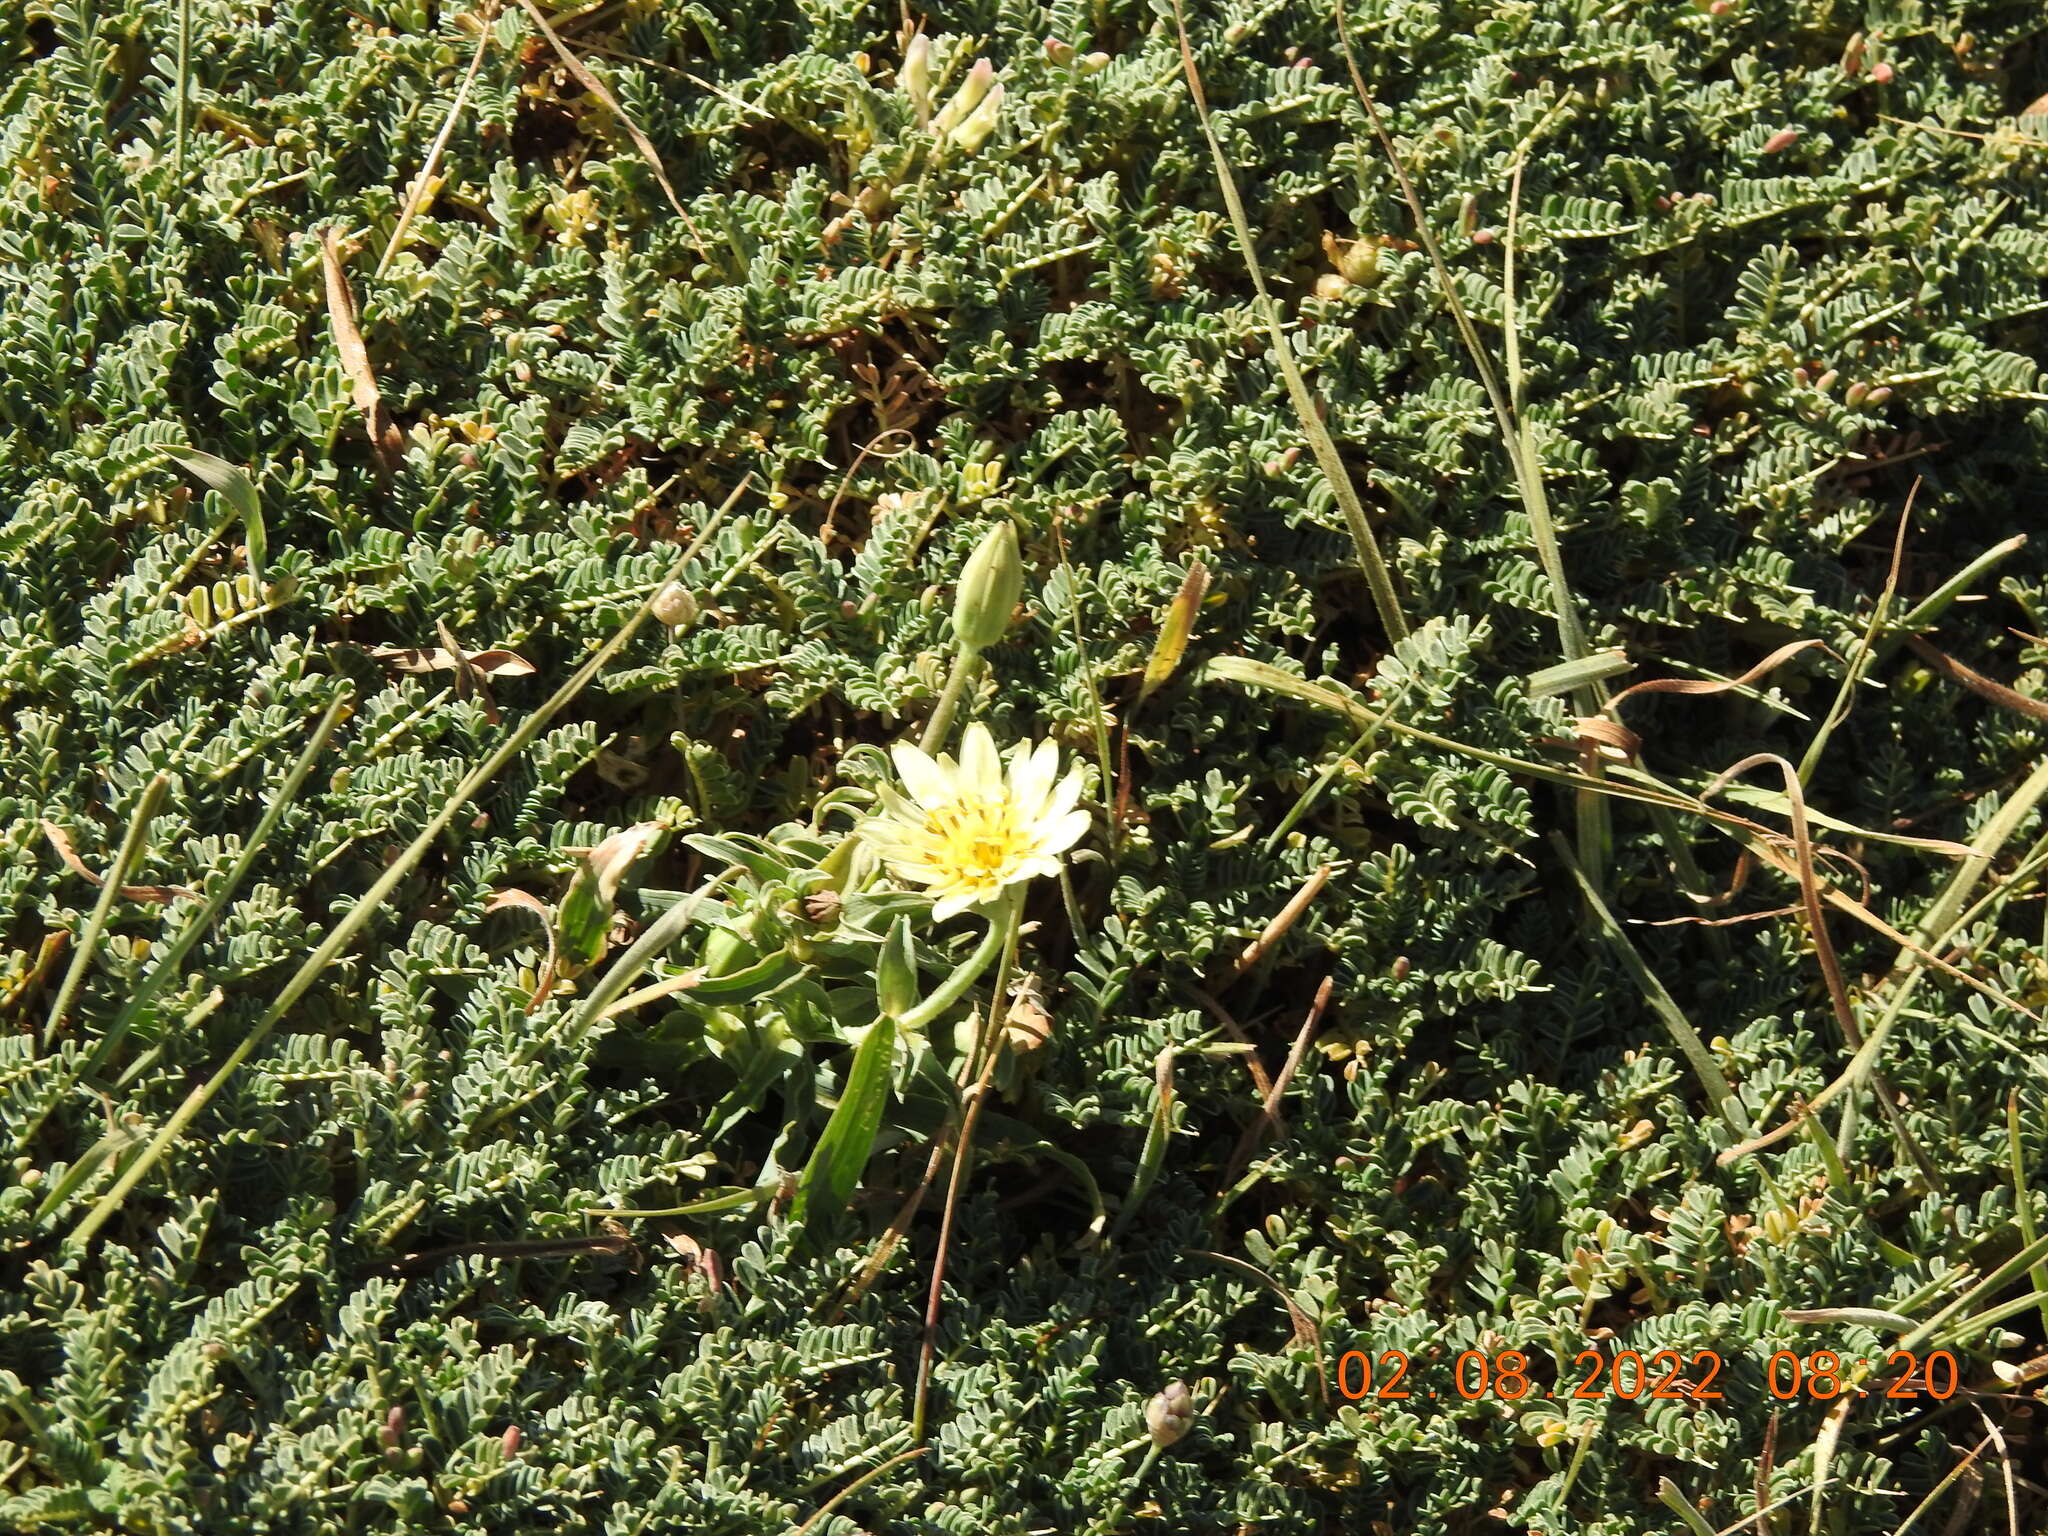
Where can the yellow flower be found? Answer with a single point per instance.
(970, 829)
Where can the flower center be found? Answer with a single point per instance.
(980, 836)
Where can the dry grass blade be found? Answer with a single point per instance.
(1700, 686)
(1269, 1109)
(588, 79)
(514, 899)
(1976, 681)
(1283, 920)
(1305, 1330)
(1965, 1467)
(416, 194)
(386, 445)
(1920, 952)
(1377, 577)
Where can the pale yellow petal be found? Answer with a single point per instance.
(1031, 778)
(928, 782)
(981, 771)
(1058, 834)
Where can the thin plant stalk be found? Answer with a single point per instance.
(416, 194)
(965, 664)
(146, 807)
(987, 1050)
(358, 916)
(1378, 578)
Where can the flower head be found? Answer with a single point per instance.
(971, 829)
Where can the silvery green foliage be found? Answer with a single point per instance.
(1740, 348)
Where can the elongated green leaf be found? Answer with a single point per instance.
(842, 1152)
(233, 482)
(1568, 675)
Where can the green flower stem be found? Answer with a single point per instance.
(1123, 1505)
(966, 662)
(1006, 919)
(965, 974)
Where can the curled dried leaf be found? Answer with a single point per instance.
(61, 841)
(434, 658)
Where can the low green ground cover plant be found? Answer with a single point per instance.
(813, 768)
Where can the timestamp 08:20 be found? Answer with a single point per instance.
(1628, 1374)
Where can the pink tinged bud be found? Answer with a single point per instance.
(1058, 52)
(1094, 62)
(510, 1444)
(1881, 73)
(1879, 395)
(1783, 139)
(981, 122)
(1482, 237)
(966, 99)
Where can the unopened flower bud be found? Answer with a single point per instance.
(675, 605)
(1170, 1415)
(896, 972)
(1058, 52)
(1091, 63)
(981, 122)
(966, 99)
(914, 78)
(1783, 139)
(990, 587)
(510, 1444)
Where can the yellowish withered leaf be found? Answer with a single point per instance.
(1175, 630)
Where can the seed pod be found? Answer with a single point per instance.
(1783, 139)
(1170, 1415)
(990, 587)
(1093, 63)
(1852, 57)
(1401, 967)
(1878, 396)
(510, 1444)
(1881, 73)
(1853, 395)
(1058, 52)
(675, 605)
